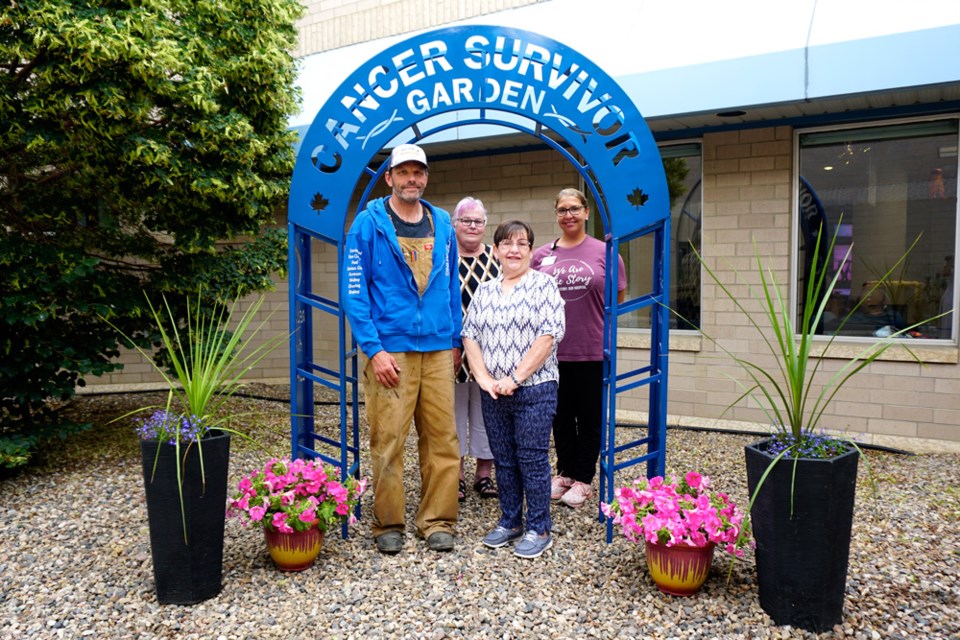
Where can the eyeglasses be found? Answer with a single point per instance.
(519, 244)
(471, 222)
(571, 211)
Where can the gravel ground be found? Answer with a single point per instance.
(75, 557)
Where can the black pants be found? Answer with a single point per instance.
(576, 427)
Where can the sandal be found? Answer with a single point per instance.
(462, 491)
(486, 488)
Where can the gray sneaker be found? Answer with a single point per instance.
(501, 536)
(533, 545)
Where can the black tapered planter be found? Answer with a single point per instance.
(802, 556)
(186, 571)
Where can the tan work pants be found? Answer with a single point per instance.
(425, 395)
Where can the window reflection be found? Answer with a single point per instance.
(683, 168)
(882, 188)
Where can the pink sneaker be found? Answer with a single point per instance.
(559, 486)
(577, 495)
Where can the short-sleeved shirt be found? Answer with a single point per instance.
(473, 271)
(580, 272)
(505, 325)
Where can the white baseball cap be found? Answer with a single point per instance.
(407, 153)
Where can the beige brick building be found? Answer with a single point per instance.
(747, 174)
(331, 24)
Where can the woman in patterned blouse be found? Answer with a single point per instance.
(510, 336)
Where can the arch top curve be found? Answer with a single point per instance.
(395, 94)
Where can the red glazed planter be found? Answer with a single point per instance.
(679, 570)
(294, 551)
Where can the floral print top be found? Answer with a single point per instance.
(505, 325)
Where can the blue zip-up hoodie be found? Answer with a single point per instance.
(380, 296)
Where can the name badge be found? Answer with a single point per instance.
(549, 260)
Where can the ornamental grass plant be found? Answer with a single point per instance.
(788, 392)
(208, 358)
(205, 361)
(802, 514)
(203, 364)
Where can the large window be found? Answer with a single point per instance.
(879, 189)
(683, 167)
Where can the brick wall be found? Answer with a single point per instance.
(331, 24)
(747, 191)
(513, 185)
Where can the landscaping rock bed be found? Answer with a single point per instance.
(75, 557)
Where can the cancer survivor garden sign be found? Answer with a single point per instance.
(479, 75)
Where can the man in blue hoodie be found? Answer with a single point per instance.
(401, 292)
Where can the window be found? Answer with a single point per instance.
(879, 189)
(683, 167)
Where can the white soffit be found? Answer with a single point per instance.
(685, 57)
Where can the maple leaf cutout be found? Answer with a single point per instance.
(638, 198)
(319, 203)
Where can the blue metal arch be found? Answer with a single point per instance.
(477, 76)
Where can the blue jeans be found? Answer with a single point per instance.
(518, 428)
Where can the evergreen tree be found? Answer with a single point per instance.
(144, 148)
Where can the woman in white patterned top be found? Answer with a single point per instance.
(510, 336)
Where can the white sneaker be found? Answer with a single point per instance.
(559, 486)
(577, 495)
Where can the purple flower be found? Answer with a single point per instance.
(167, 426)
(808, 445)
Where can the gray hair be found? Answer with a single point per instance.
(467, 205)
